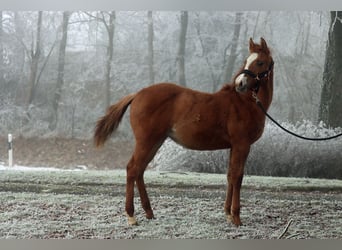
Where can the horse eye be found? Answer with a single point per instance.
(259, 63)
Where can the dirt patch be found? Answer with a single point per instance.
(67, 153)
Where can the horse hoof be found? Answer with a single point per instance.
(236, 221)
(150, 216)
(237, 224)
(132, 221)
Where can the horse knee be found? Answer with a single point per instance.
(235, 179)
(235, 211)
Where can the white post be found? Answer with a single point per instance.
(10, 151)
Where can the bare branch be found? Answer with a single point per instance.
(292, 236)
(285, 230)
(92, 16)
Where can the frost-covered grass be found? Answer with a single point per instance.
(90, 204)
(162, 178)
(275, 154)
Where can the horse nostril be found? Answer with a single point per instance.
(241, 85)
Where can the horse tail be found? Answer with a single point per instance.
(107, 124)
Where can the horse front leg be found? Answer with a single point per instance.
(238, 156)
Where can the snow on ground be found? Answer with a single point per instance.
(25, 168)
(90, 204)
(47, 203)
(168, 178)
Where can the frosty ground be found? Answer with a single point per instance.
(90, 204)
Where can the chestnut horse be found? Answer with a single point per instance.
(228, 118)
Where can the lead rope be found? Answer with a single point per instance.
(286, 130)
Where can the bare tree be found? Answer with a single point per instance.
(60, 71)
(304, 34)
(110, 27)
(331, 96)
(150, 46)
(181, 48)
(20, 52)
(214, 77)
(35, 56)
(228, 73)
(108, 20)
(1, 52)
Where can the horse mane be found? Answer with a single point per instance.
(227, 87)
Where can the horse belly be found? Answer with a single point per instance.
(198, 139)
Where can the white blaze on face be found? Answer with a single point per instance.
(252, 57)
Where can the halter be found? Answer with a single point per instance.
(258, 77)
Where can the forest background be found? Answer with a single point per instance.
(59, 71)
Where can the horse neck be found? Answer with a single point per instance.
(266, 91)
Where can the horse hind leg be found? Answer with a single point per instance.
(238, 156)
(130, 179)
(135, 174)
(145, 202)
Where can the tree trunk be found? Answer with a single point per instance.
(229, 69)
(181, 48)
(35, 55)
(20, 93)
(110, 47)
(331, 97)
(307, 36)
(2, 80)
(214, 78)
(60, 73)
(150, 46)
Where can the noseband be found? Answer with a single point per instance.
(258, 77)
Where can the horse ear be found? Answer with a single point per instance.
(263, 43)
(251, 45)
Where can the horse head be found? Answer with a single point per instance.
(257, 67)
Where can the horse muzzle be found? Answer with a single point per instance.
(241, 83)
